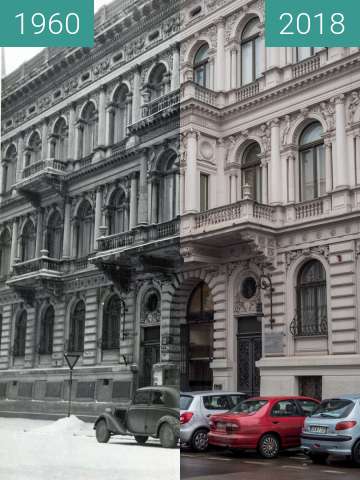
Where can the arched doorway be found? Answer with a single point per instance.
(197, 341)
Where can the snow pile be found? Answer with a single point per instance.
(72, 426)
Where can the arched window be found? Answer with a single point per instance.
(111, 323)
(165, 205)
(34, 149)
(302, 53)
(28, 241)
(250, 52)
(200, 306)
(5, 249)
(20, 334)
(121, 114)
(311, 299)
(312, 162)
(89, 129)
(54, 235)
(118, 212)
(47, 331)
(77, 328)
(251, 171)
(202, 66)
(157, 82)
(60, 140)
(9, 168)
(84, 230)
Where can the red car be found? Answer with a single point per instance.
(266, 424)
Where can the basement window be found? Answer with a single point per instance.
(85, 77)
(118, 57)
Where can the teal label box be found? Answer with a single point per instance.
(312, 23)
(47, 23)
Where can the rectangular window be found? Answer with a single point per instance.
(204, 192)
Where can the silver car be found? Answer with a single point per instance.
(333, 429)
(195, 410)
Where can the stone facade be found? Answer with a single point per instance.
(255, 126)
(180, 112)
(89, 211)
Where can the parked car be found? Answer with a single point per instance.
(195, 410)
(333, 429)
(266, 424)
(154, 412)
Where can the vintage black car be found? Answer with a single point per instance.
(154, 412)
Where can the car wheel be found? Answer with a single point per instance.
(269, 446)
(141, 440)
(168, 438)
(102, 432)
(199, 441)
(356, 453)
(318, 459)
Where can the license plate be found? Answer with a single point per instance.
(318, 429)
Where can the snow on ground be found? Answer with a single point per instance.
(67, 450)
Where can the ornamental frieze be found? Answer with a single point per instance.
(322, 250)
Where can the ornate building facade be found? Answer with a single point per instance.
(180, 111)
(270, 203)
(89, 235)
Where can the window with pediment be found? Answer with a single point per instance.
(47, 331)
(28, 241)
(84, 229)
(251, 52)
(202, 66)
(20, 334)
(312, 162)
(251, 171)
(5, 249)
(77, 328)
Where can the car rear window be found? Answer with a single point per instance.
(249, 406)
(217, 402)
(185, 401)
(334, 408)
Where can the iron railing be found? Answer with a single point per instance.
(303, 328)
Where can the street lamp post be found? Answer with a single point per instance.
(71, 360)
(266, 284)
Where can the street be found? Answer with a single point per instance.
(67, 449)
(249, 466)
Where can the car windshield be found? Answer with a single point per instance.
(249, 406)
(334, 408)
(185, 401)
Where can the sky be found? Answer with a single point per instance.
(14, 57)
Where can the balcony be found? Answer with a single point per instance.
(161, 104)
(140, 236)
(306, 66)
(42, 177)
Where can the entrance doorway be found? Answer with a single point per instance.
(197, 341)
(249, 352)
(150, 353)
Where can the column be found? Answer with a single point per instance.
(275, 164)
(110, 124)
(175, 74)
(102, 118)
(357, 158)
(20, 156)
(44, 140)
(154, 200)
(291, 178)
(39, 233)
(264, 182)
(191, 174)
(273, 57)
(234, 63)
(143, 190)
(71, 138)
(67, 229)
(211, 70)
(14, 242)
(328, 165)
(133, 201)
(136, 98)
(341, 169)
(233, 188)
(220, 55)
(177, 189)
(98, 211)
